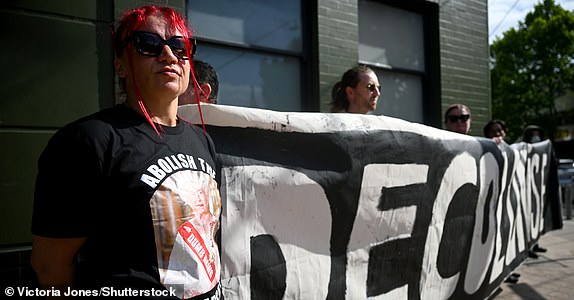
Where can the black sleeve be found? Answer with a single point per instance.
(67, 185)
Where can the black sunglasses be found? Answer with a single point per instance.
(372, 88)
(151, 44)
(453, 118)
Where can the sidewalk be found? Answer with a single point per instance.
(551, 276)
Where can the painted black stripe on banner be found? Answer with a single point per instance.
(309, 151)
(268, 269)
(408, 195)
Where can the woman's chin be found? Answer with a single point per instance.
(172, 89)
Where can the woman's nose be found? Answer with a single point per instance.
(167, 55)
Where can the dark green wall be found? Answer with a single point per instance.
(57, 67)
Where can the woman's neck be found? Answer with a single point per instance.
(164, 113)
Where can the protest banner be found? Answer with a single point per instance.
(346, 206)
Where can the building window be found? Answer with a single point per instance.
(401, 95)
(392, 41)
(256, 46)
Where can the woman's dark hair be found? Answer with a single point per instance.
(339, 101)
(205, 73)
(491, 123)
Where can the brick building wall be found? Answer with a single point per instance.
(338, 37)
(464, 58)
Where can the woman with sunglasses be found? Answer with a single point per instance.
(126, 200)
(457, 118)
(357, 92)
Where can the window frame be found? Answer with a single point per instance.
(430, 78)
(308, 80)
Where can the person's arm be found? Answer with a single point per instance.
(54, 259)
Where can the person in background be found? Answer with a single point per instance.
(457, 118)
(207, 84)
(357, 92)
(534, 134)
(126, 198)
(495, 130)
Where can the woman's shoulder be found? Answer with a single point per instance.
(98, 125)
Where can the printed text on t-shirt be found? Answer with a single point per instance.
(172, 163)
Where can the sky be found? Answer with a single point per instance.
(505, 14)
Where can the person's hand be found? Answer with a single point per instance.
(498, 139)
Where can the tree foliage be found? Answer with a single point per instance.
(531, 67)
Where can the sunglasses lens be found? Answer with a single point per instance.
(177, 46)
(372, 88)
(453, 118)
(147, 43)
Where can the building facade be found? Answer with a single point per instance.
(279, 55)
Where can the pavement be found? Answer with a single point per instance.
(551, 275)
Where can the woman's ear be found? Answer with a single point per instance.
(120, 67)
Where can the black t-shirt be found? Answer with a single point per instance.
(148, 205)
